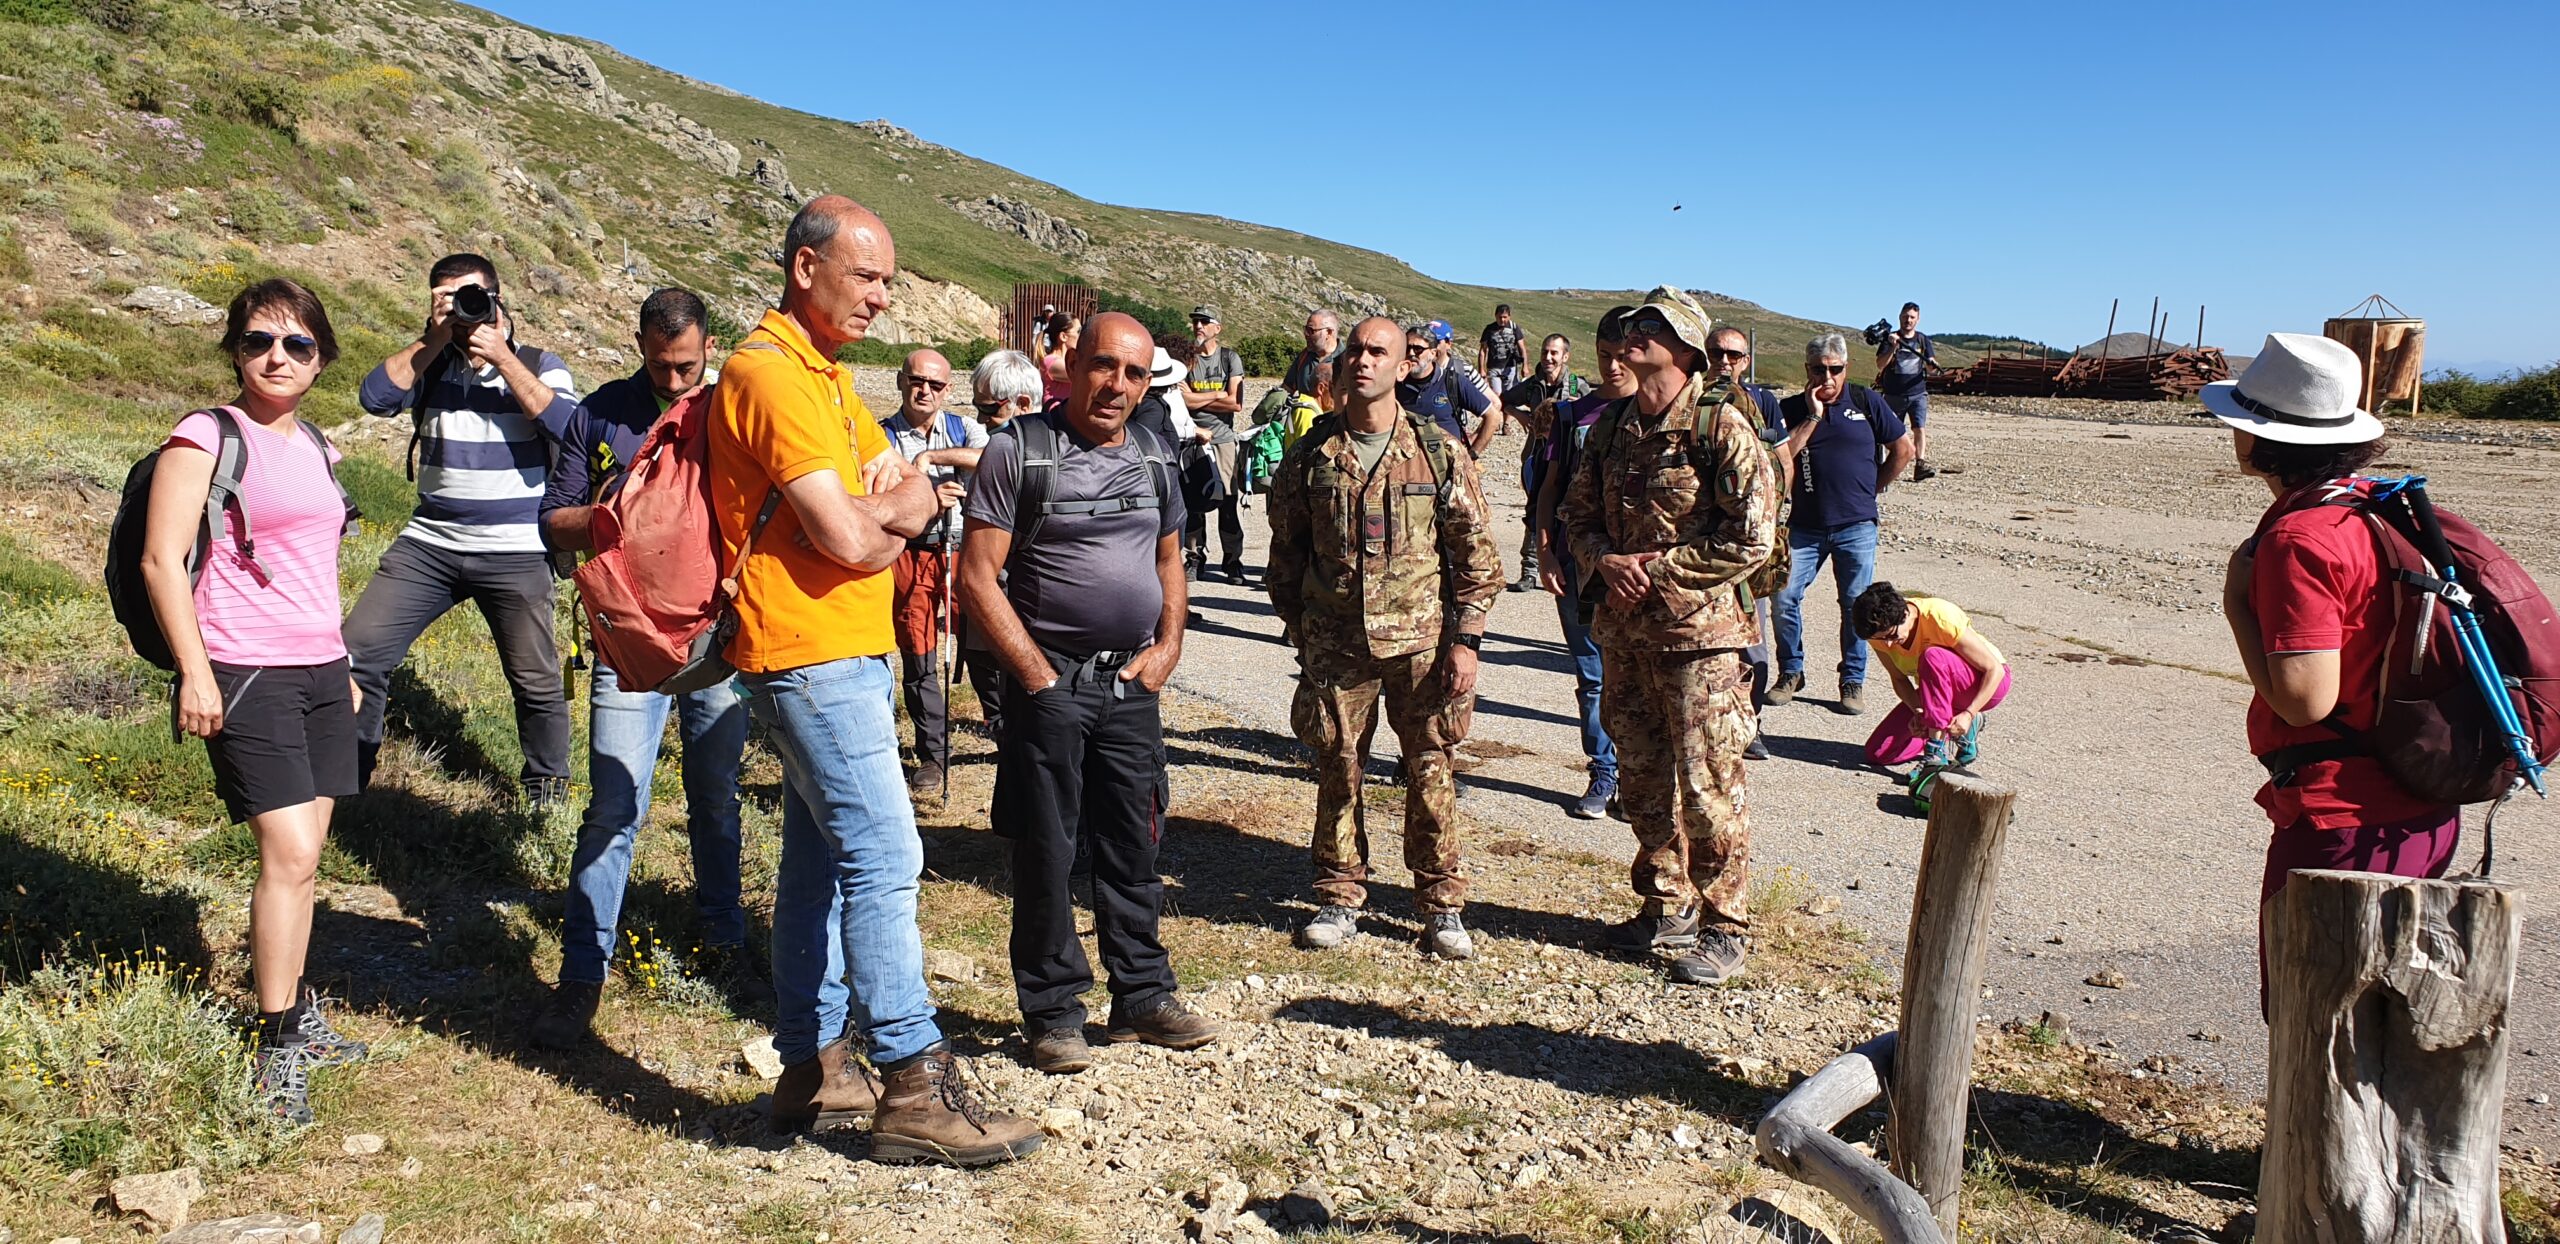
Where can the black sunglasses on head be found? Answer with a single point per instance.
(299, 348)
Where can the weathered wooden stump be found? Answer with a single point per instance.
(1942, 988)
(2386, 1059)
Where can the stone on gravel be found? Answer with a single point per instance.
(2106, 978)
(1307, 1207)
(950, 965)
(174, 307)
(250, 1229)
(761, 1058)
(411, 1168)
(362, 1145)
(1061, 1121)
(162, 1199)
(366, 1230)
(1822, 905)
(1097, 1107)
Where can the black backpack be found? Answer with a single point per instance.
(125, 590)
(1036, 472)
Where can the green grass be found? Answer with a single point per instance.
(27, 579)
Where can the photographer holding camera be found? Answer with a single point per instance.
(481, 453)
(1905, 357)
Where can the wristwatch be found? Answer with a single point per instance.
(1475, 642)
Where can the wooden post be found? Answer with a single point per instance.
(2386, 1059)
(1942, 987)
(1795, 1140)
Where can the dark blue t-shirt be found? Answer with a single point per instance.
(597, 438)
(1836, 473)
(1773, 423)
(1440, 398)
(1907, 372)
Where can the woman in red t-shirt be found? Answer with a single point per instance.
(2310, 614)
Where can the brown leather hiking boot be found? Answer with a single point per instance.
(1164, 1021)
(1061, 1051)
(928, 1114)
(833, 1090)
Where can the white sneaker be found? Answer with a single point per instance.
(1331, 927)
(1446, 937)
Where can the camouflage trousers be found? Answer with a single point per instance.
(1334, 713)
(1681, 720)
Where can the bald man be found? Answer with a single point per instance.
(1088, 624)
(946, 446)
(815, 507)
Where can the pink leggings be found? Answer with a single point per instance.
(1947, 684)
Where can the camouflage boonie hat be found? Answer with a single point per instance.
(1206, 311)
(1688, 320)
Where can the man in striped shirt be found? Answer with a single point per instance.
(482, 462)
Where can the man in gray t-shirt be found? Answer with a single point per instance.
(1088, 623)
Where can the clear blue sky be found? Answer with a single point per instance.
(2011, 168)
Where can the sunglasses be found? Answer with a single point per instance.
(1826, 369)
(931, 386)
(1728, 356)
(1649, 326)
(988, 407)
(297, 347)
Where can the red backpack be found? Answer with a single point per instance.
(657, 593)
(2435, 733)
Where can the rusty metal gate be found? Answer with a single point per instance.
(1021, 326)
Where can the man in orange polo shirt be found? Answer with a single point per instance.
(789, 440)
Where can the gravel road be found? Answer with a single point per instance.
(2092, 554)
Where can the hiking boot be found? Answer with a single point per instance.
(544, 794)
(1235, 574)
(329, 1047)
(1598, 800)
(1060, 1051)
(1528, 580)
(928, 1114)
(1784, 690)
(1716, 958)
(1648, 931)
(926, 781)
(1756, 749)
(1331, 927)
(565, 1018)
(1444, 936)
(737, 974)
(1163, 1021)
(284, 1081)
(1853, 699)
(833, 1090)
(1921, 471)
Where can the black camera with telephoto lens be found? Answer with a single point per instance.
(1877, 332)
(474, 304)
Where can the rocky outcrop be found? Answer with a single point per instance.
(564, 68)
(686, 137)
(1245, 282)
(922, 309)
(1024, 221)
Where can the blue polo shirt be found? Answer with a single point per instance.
(1907, 372)
(1440, 397)
(1836, 473)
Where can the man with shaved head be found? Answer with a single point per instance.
(1382, 570)
(1314, 364)
(815, 506)
(1082, 510)
(946, 446)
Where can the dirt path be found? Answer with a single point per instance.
(2092, 554)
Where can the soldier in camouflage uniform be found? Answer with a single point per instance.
(1383, 569)
(1671, 508)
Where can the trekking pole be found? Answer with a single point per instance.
(2477, 656)
(943, 637)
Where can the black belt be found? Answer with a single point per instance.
(2285, 763)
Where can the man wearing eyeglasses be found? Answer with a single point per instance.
(1670, 510)
(1214, 389)
(1323, 333)
(945, 446)
(1729, 349)
(1844, 447)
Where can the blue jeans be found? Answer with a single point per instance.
(844, 900)
(1851, 549)
(1596, 746)
(624, 730)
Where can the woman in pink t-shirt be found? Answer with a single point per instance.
(262, 672)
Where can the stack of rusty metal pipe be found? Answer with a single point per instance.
(2173, 375)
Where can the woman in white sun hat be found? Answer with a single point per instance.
(2310, 614)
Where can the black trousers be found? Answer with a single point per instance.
(1083, 763)
(417, 583)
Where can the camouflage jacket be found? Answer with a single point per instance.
(1386, 566)
(1702, 496)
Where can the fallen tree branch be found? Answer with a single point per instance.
(1795, 1139)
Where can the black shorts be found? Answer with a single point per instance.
(288, 736)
